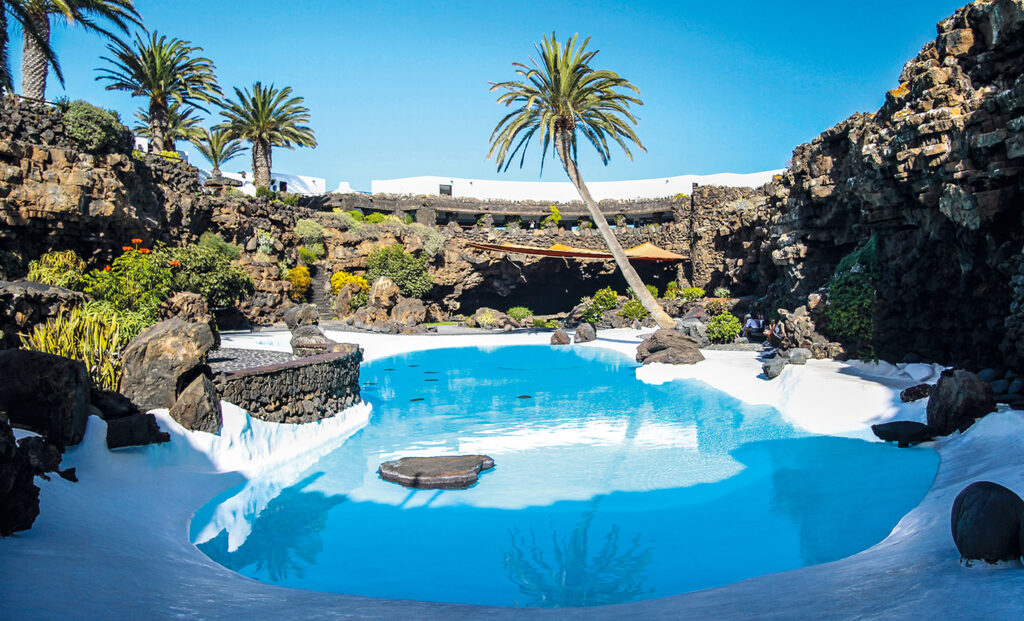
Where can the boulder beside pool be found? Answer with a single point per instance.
(441, 472)
(986, 523)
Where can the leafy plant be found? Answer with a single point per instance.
(93, 128)
(519, 313)
(309, 230)
(299, 278)
(408, 271)
(170, 155)
(264, 241)
(138, 156)
(215, 242)
(376, 218)
(691, 294)
(307, 256)
(633, 309)
(653, 291)
(553, 219)
(849, 312)
(340, 279)
(207, 271)
(95, 338)
(355, 214)
(544, 323)
(62, 268)
(292, 200)
(672, 291)
(486, 319)
(132, 287)
(603, 300)
(721, 292)
(265, 192)
(715, 307)
(724, 328)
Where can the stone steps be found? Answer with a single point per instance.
(318, 292)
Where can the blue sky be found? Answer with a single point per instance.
(399, 89)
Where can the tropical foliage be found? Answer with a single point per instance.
(217, 147)
(94, 129)
(205, 269)
(131, 288)
(407, 270)
(603, 300)
(165, 71)
(182, 124)
(62, 268)
(267, 117)
(519, 313)
(561, 97)
(724, 328)
(849, 313)
(18, 9)
(94, 338)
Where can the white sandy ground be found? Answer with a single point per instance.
(115, 545)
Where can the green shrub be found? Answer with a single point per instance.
(62, 268)
(265, 192)
(691, 294)
(586, 223)
(207, 271)
(671, 290)
(170, 155)
(544, 323)
(633, 309)
(652, 290)
(849, 313)
(299, 278)
(376, 218)
(553, 219)
(307, 256)
(292, 200)
(94, 338)
(724, 328)
(132, 287)
(603, 300)
(215, 242)
(62, 103)
(408, 271)
(309, 231)
(431, 238)
(356, 215)
(715, 307)
(92, 128)
(519, 313)
(721, 292)
(264, 241)
(340, 279)
(138, 156)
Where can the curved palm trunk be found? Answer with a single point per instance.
(34, 64)
(157, 126)
(5, 67)
(261, 164)
(632, 278)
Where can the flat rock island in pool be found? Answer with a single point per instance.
(442, 472)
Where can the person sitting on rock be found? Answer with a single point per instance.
(751, 327)
(777, 333)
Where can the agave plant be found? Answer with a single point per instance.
(561, 97)
(93, 338)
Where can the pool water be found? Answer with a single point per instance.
(605, 489)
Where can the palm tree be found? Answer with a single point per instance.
(165, 71)
(562, 96)
(35, 60)
(217, 147)
(267, 117)
(17, 10)
(181, 125)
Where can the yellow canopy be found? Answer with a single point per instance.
(643, 252)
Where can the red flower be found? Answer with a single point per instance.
(106, 269)
(136, 240)
(175, 263)
(143, 250)
(127, 248)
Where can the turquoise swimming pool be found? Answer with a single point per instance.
(605, 489)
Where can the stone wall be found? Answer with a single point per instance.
(298, 391)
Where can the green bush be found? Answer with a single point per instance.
(94, 129)
(519, 313)
(62, 268)
(724, 328)
(691, 294)
(138, 156)
(356, 215)
(849, 313)
(265, 192)
(672, 290)
(95, 338)
(170, 155)
(205, 270)
(721, 292)
(292, 200)
(633, 309)
(215, 242)
(603, 300)
(553, 219)
(132, 287)
(715, 307)
(309, 231)
(307, 256)
(408, 271)
(376, 218)
(544, 323)
(652, 290)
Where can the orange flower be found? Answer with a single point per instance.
(127, 248)
(136, 240)
(106, 269)
(175, 263)
(143, 250)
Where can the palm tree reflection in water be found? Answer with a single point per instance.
(285, 538)
(573, 577)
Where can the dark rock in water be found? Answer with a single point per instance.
(914, 393)
(560, 337)
(198, 406)
(903, 432)
(42, 456)
(135, 431)
(19, 496)
(112, 404)
(668, 347)
(163, 360)
(585, 333)
(799, 355)
(301, 315)
(45, 393)
(957, 400)
(986, 523)
(774, 367)
(695, 329)
(444, 472)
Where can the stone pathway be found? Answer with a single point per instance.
(227, 359)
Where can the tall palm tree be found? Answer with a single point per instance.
(35, 61)
(562, 96)
(217, 147)
(181, 125)
(166, 71)
(267, 117)
(17, 10)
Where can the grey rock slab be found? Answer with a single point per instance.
(440, 472)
